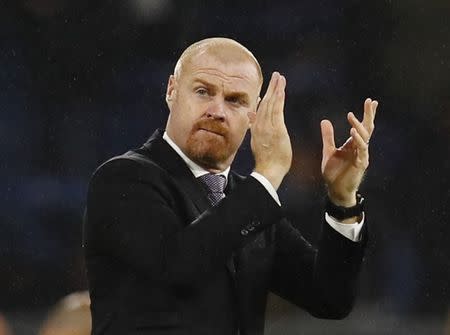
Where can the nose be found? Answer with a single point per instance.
(216, 111)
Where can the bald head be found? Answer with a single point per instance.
(215, 85)
(222, 49)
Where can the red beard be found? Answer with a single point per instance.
(208, 143)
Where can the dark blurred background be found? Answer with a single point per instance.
(81, 81)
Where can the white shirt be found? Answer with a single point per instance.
(352, 231)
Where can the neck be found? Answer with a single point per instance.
(210, 165)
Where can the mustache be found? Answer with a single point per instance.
(217, 127)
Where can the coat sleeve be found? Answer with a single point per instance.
(322, 280)
(130, 216)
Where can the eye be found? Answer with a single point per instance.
(201, 91)
(237, 100)
(233, 100)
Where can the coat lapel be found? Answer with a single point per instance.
(157, 149)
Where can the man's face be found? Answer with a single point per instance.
(209, 104)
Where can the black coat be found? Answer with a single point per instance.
(161, 260)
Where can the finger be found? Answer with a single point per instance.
(264, 107)
(326, 128)
(271, 101)
(369, 115)
(363, 147)
(278, 102)
(272, 86)
(374, 109)
(348, 144)
(363, 132)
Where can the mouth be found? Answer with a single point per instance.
(211, 131)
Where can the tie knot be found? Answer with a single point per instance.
(214, 182)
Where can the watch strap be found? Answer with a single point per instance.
(341, 213)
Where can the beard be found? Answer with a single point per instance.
(209, 144)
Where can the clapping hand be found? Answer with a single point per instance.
(343, 168)
(270, 142)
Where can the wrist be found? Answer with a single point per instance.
(272, 175)
(348, 200)
(349, 214)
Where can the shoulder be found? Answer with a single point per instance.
(130, 165)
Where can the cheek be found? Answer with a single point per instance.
(184, 117)
(190, 111)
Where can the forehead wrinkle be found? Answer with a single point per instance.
(230, 79)
(221, 75)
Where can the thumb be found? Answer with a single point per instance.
(327, 136)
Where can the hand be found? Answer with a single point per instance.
(343, 168)
(270, 142)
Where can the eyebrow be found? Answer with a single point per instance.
(204, 82)
(240, 95)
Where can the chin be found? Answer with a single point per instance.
(211, 153)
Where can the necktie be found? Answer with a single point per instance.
(215, 184)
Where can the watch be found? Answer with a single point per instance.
(341, 213)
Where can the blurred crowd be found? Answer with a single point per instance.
(81, 81)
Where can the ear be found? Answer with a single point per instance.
(252, 115)
(171, 91)
(251, 119)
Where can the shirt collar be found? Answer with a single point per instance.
(196, 169)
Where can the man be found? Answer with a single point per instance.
(176, 243)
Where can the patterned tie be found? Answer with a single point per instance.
(215, 184)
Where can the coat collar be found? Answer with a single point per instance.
(161, 153)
